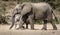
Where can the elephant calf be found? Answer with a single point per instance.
(16, 16)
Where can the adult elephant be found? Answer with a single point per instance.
(37, 11)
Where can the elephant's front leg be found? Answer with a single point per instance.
(31, 21)
(26, 25)
(27, 22)
(21, 23)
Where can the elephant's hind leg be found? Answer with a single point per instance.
(44, 25)
(31, 21)
(26, 25)
(54, 26)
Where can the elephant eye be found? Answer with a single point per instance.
(18, 10)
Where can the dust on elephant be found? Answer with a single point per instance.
(37, 11)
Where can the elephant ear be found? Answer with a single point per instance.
(26, 8)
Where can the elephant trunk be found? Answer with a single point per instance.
(13, 18)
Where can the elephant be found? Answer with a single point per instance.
(30, 12)
(16, 16)
(37, 11)
(16, 21)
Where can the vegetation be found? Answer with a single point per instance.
(2, 20)
(53, 3)
(2, 14)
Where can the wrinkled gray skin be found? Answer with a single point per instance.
(37, 11)
(30, 12)
(16, 16)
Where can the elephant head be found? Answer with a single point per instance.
(16, 10)
(25, 9)
(21, 9)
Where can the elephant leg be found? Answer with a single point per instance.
(44, 25)
(20, 27)
(54, 26)
(27, 22)
(32, 24)
(15, 26)
(26, 25)
(21, 23)
(31, 21)
(23, 27)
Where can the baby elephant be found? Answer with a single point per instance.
(16, 22)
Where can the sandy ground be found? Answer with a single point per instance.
(4, 30)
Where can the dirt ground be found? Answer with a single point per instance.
(4, 30)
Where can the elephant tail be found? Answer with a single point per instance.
(55, 17)
(12, 23)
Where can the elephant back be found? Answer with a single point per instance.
(26, 9)
(42, 11)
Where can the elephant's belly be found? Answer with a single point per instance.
(43, 16)
(40, 16)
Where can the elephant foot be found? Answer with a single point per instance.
(20, 28)
(26, 28)
(32, 28)
(55, 28)
(44, 29)
(23, 27)
(17, 28)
